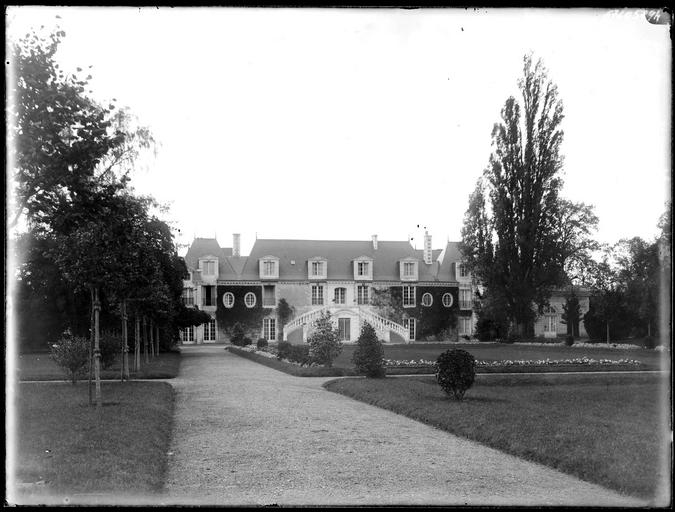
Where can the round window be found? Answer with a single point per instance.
(427, 300)
(447, 299)
(228, 300)
(249, 299)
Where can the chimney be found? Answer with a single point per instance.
(235, 244)
(374, 242)
(427, 248)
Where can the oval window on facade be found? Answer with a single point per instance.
(427, 300)
(447, 299)
(228, 300)
(249, 299)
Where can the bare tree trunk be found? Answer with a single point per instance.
(97, 349)
(137, 346)
(152, 338)
(125, 343)
(145, 339)
(91, 346)
(649, 328)
(608, 333)
(157, 338)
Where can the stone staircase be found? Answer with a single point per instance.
(305, 318)
(383, 324)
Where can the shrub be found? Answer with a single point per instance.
(262, 343)
(71, 353)
(299, 354)
(324, 344)
(368, 357)
(246, 341)
(569, 340)
(237, 334)
(283, 349)
(456, 372)
(111, 347)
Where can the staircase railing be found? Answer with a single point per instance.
(305, 318)
(382, 324)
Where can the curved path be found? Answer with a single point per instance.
(245, 434)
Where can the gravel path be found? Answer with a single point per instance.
(245, 434)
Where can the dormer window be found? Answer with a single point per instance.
(409, 269)
(209, 267)
(463, 271)
(269, 267)
(363, 269)
(317, 268)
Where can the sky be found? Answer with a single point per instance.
(345, 123)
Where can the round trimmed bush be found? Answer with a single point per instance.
(262, 343)
(246, 341)
(456, 372)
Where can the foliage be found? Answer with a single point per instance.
(569, 340)
(368, 358)
(246, 341)
(283, 349)
(249, 318)
(190, 317)
(456, 372)
(284, 312)
(492, 321)
(388, 302)
(514, 246)
(261, 343)
(574, 227)
(111, 347)
(571, 315)
(324, 343)
(237, 334)
(299, 354)
(72, 354)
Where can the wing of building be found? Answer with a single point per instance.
(406, 294)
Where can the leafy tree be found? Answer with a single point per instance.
(510, 237)
(71, 353)
(324, 342)
(456, 372)
(368, 358)
(571, 315)
(284, 312)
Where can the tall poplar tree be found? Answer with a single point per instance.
(509, 237)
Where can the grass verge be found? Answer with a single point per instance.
(74, 449)
(607, 429)
(42, 367)
(292, 369)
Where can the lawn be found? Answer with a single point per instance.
(292, 369)
(651, 359)
(41, 367)
(607, 429)
(74, 449)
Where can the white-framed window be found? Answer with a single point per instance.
(362, 294)
(317, 295)
(269, 268)
(363, 268)
(463, 271)
(270, 329)
(340, 294)
(209, 268)
(408, 296)
(208, 295)
(228, 299)
(465, 299)
(408, 269)
(249, 299)
(427, 300)
(550, 320)
(465, 325)
(409, 323)
(269, 296)
(317, 268)
(344, 329)
(447, 300)
(188, 297)
(210, 330)
(187, 334)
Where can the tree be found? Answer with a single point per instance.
(512, 246)
(284, 312)
(324, 343)
(368, 358)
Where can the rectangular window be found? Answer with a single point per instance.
(317, 295)
(465, 326)
(409, 323)
(362, 268)
(463, 272)
(339, 296)
(269, 268)
(188, 297)
(550, 323)
(344, 329)
(209, 268)
(362, 295)
(270, 329)
(269, 297)
(408, 296)
(208, 295)
(210, 330)
(317, 268)
(187, 334)
(465, 299)
(408, 269)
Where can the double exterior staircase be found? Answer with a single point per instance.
(379, 323)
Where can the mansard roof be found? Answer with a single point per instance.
(340, 255)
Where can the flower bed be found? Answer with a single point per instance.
(270, 359)
(580, 361)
